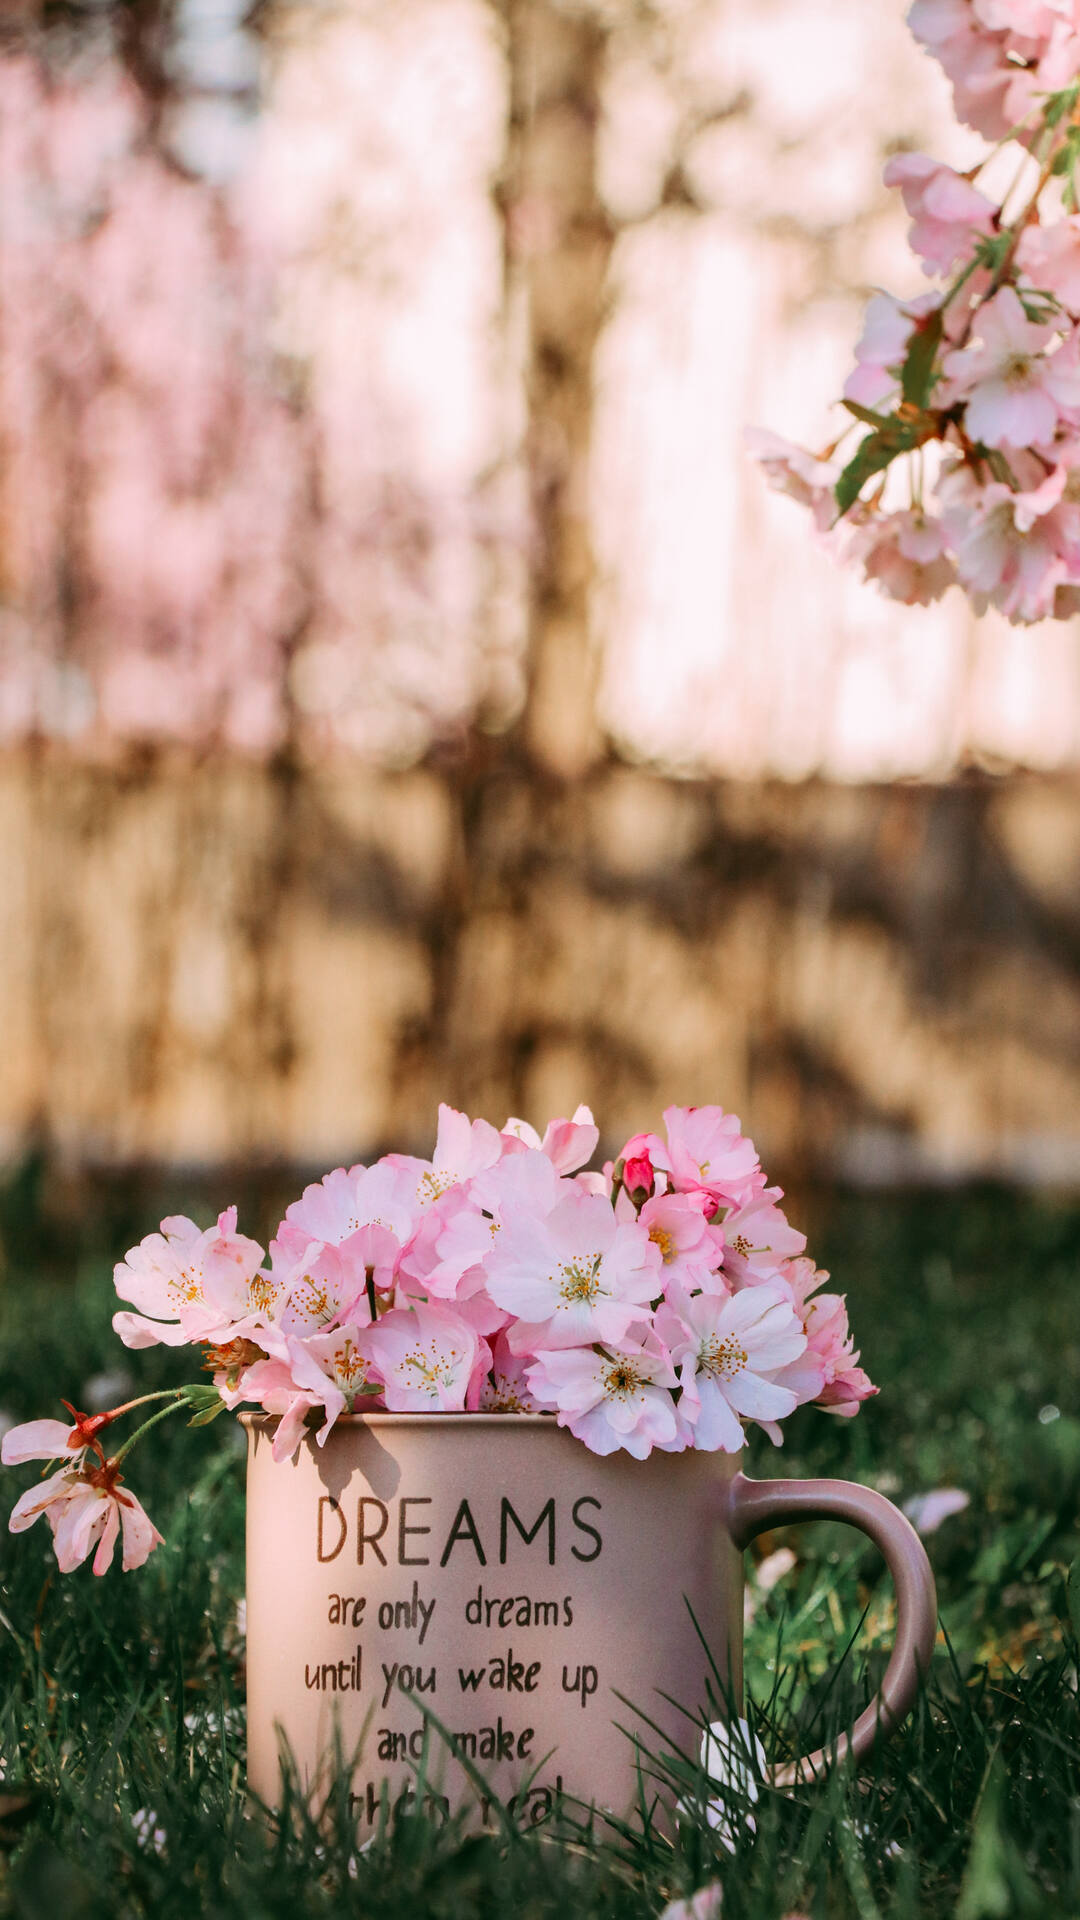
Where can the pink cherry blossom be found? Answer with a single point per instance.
(428, 1359)
(1058, 65)
(86, 1507)
(726, 1352)
(479, 1309)
(447, 1252)
(690, 1249)
(269, 1288)
(824, 1317)
(568, 1144)
(364, 1211)
(506, 1389)
(804, 1376)
(974, 60)
(1008, 379)
(327, 1210)
(1013, 549)
(593, 1182)
(946, 210)
(758, 1238)
(326, 1285)
(790, 469)
(325, 1371)
(525, 1181)
(463, 1147)
(618, 1396)
(879, 353)
(49, 1439)
(573, 1276)
(1050, 258)
(906, 553)
(459, 1232)
(271, 1385)
(192, 1282)
(707, 1152)
(1034, 19)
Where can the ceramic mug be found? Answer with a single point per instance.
(490, 1569)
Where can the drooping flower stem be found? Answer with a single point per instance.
(144, 1399)
(195, 1397)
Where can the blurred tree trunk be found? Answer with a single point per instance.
(504, 794)
(558, 243)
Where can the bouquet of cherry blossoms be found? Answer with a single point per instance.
(660, 1303)
(968, 468)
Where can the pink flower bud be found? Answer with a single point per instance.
(639, 1173)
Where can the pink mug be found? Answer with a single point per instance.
(490, 1571)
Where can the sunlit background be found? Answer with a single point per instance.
(409, 689)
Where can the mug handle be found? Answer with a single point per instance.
(758, 1504)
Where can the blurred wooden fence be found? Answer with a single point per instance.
(230, 962)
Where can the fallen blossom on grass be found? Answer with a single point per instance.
(705, 1904)
(927, 1511)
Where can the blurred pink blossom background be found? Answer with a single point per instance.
(261, 397)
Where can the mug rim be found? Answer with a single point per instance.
(257, 1423)
(380, 1417)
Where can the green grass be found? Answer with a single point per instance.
(125, 1694)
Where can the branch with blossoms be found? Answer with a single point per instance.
(664, 1302)
(969, 394)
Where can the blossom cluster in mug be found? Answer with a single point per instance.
(663, 1302)
(970, 392)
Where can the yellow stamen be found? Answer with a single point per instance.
(439, 1368)
(349, 1365)
(723, 1358)
(262, 1292)
(580, 1282)
(622, 1379)
(661, 1238)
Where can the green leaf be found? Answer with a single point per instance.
(873, 455)
(1040, 307)
(1059, 104)
(1072, 1594)
(992, 251)
(986, 1893)
(917, 377)
(205, 1403)
(997, 1884)
(199, 1393)
(883, 421)
(204, 1418)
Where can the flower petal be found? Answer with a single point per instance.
(37, 1440)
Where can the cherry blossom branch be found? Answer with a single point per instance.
(983, 372)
